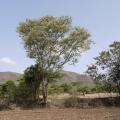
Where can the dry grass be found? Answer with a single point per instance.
(62, 114)
(95, 95)
(54, 113)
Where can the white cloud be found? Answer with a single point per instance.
(7, 61)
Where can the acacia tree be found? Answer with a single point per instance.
(108, 66)
(52, 42)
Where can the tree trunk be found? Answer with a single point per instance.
(118, 87)
(44, 93)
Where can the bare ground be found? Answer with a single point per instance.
(62, 114)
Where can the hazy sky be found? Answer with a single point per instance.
(100, 17)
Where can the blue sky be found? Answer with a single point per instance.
(100, 17)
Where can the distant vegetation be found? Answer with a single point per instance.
(23, 95)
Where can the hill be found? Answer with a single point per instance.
(75, 77)
(4, 76)
(68, 77)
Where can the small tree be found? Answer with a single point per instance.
(108, 67)
(52, 42)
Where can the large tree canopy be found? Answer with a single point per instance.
(53, 42)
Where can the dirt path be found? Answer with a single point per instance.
(62, 114)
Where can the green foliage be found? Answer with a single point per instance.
(100, 88)
(80, 88)
(55, 89)
(73, 88)
(77, 84)
(106, 69)
(76, 88)
(109, 87)
(83, 90)
(32, 80)
(23, 93)
(8, 89)
(66, 87)
(53, 40)
(93, 72)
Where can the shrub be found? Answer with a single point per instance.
(106, 87)
(55, 89)
(66, 87)
(8, 90)
(4, 103)
(83, 90)
(93, 89)
(23, 94)
(109, 87)
(71, 101)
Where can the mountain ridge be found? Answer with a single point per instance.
(4, 76)
(67, 77)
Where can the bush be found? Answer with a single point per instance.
(106, 87)
(58, 88)
(83, 90)
(71, 102)
(71, 88)
(23, 94)
(66, 87)
(8, 90)
(55, 89)
(109, 87)
(7, 94)
(93, 89)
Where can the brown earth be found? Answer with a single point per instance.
(62, 114)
